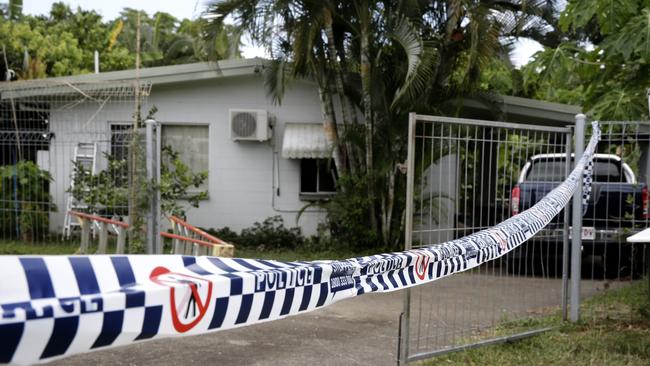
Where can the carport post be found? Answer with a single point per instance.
(576, 240)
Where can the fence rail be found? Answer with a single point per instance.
(88, 222)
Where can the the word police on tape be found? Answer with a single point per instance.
(57, 306)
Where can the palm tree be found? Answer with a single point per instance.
(383, 59)
(166, 41)
(13, 9)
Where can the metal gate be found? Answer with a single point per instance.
(460, 180)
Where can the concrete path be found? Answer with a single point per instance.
(358, 331)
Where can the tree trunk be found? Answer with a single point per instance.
(368, 120)
(135, 235)
(331, 133)
(346, 105)
(402, 227)
(387, 213)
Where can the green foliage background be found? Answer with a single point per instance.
(601, 61)
(63, 42)
(25, 201)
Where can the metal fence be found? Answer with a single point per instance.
(618, 208)
(467, 177)
(66, 146)
(607, 254)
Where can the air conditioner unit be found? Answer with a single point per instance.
(249, 125)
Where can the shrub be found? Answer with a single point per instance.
(25, 201)
(108, 191)
(272, 234)
(346, 211)
(224, 234)
(269, 235)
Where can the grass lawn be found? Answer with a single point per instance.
(615, 330)
(70, 247)
(56, 247)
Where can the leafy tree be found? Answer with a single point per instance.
(602, 62)
(175, 180)
(381, 60)
(92, 34)
(107, 192)
(64, 41)
(30, 48)
(165, 40)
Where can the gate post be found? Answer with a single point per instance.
(566, 244)
(576, 240)
(408, 237)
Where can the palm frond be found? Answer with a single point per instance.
(277, 75)
(420, 60)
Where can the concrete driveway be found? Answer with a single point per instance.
(358, 331)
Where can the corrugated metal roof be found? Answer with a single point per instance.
(305, 141)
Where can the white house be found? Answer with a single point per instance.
(278, 172)
(248, 181)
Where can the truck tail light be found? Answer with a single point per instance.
(514, 201)
(644, 198)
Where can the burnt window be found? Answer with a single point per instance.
(317, 178)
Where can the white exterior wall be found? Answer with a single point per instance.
(85, 122)
(241, 174)
(243, 177)
(439, 197)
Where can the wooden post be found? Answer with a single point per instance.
(176, 244)
(121, 240)
(103, 238)
(85, 235)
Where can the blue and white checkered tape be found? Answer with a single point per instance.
(588, 172)
(56, 306)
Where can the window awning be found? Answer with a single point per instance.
(305, 141)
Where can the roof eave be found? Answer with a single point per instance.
(518, 110)
(156, 75)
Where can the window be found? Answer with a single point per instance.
(317, 178)
(120, 140)
(192, 144)
(553, 170)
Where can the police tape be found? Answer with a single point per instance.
(56, 306)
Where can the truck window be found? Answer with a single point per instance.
(543, 170)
